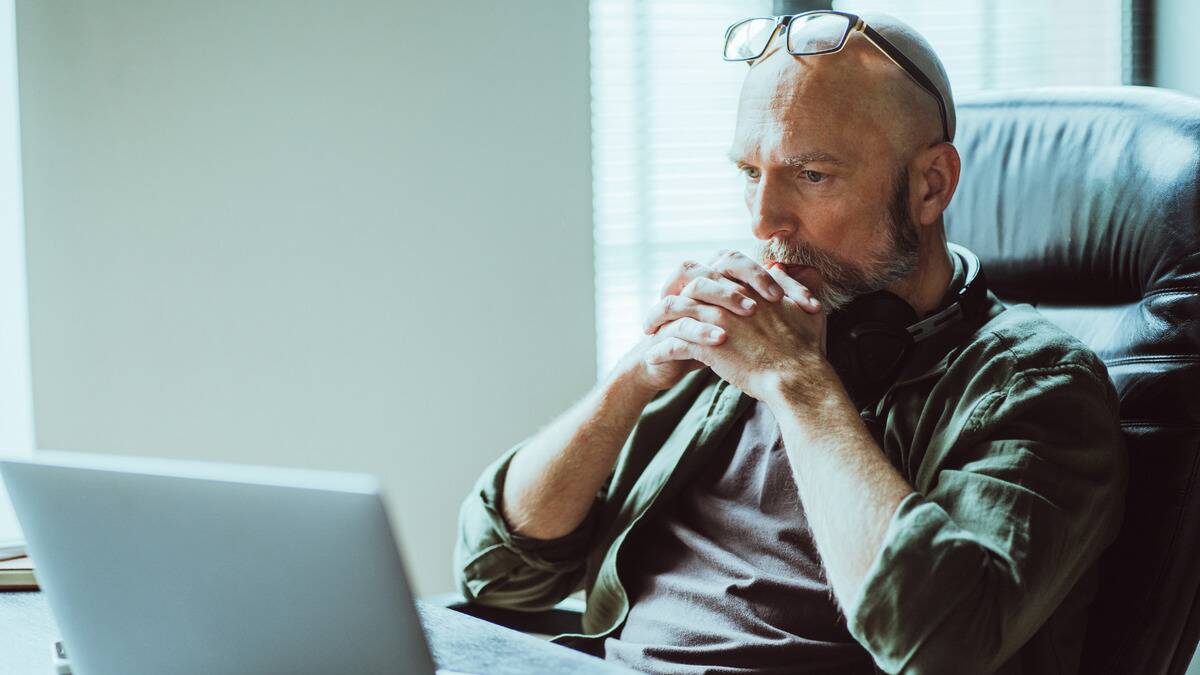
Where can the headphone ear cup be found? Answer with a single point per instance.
(868, 339)
(867, 342)
(880, 348)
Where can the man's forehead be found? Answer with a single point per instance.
(792, 105)
(780, 79)
(792, 113)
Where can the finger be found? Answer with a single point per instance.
(673, 349)
(741, 267)
(685, 273)
(693, 331)
(796, 290)
(722, 293)
(675, 307)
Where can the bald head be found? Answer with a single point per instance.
(847, 169)
(859, 88)
(918, 50)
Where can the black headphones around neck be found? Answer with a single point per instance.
(868, 339)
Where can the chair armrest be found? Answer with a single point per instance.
(565, 617)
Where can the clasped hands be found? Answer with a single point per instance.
(757, 328)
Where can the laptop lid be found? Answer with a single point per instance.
(159, 566)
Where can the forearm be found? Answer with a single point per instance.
(552, 480)
(847, 486)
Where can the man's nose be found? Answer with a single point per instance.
(771, 212)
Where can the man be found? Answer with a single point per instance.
(733, 502)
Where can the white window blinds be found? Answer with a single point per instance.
(664, 105)
(1004, 44)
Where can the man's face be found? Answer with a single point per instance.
(825, 184)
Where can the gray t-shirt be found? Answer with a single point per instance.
(728, 580)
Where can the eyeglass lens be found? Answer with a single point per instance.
(816, 33)
(748, 39)
(808, 34)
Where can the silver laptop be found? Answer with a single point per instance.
(157, 566)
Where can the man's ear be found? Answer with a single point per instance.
(936, 178)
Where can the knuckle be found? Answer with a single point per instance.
(732, 289)
(678, 346)
(693, 287)
(736, 296)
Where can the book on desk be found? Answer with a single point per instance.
(16, 571)
(16, 574)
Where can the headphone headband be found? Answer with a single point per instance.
(969, 301)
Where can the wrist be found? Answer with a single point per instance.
(626, 379)
(808, 385)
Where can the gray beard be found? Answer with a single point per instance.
(845, 280)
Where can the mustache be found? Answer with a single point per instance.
(842, 280)
(802, 253)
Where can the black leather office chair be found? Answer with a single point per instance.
(1086, 203)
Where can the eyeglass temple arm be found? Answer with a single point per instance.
(906, 64)
(781, 24)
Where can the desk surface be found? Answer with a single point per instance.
(459, 642)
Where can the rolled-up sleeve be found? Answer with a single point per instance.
(1016, 510)
(496, 566)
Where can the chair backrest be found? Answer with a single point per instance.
(1086, 203)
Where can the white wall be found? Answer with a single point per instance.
(1176, 50)
(351, 235)
(16, 420)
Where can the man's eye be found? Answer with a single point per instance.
(751, 172)
(814, 176)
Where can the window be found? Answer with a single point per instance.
(664, 105)
(1004, 44)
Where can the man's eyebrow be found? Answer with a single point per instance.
(801, 160)
(806, 158)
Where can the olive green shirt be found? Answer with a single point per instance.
(1007, 429)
